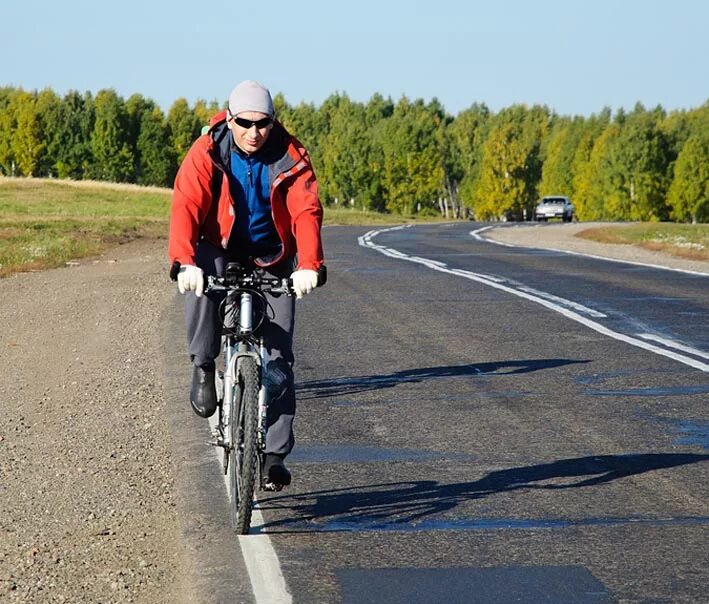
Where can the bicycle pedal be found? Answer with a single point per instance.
(217, 441)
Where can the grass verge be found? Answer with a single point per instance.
(689, 241)
(46, 223)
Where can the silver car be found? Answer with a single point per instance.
(554, 206)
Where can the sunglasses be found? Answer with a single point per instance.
(244, 123)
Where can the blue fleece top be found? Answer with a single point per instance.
(254, 230)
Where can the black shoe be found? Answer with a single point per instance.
(203, 394)
(275, 472)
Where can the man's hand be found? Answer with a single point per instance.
(304, 281)
(190, 278)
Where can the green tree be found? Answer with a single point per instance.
(157, 158)
(47, 106)
(511, 165)
(537, 122)
(113, 159)
(413, 173)
(280, 105)
(136, 107)
(184, 127)
(689, 193)
(8, 125)
(27, 141)
(466, 135)
(595, 200)
(557, 170)
(346, 149)
(676, 127)
(378, 109)
(636, 168)
(448, 196)
(502, 179)
(309, 126)
(205, 111)
(377, 112)
(585, 166)
(69, 136)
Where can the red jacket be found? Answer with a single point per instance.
(204, 175)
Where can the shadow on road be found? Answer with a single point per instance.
(402, 503)
(345, 386)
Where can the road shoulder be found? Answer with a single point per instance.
(564, 237)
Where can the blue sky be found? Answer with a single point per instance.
(576, 57)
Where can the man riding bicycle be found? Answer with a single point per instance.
(246, 192)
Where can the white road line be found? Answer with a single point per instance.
(476, 235)
(479, 237)
(672, 344)
(262, 564)
(264, 568)
(366, 241)
(564, 302)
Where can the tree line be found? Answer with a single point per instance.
(403, 157)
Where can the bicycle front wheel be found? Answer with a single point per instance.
(244, 437)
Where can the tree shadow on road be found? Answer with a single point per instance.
(345, 386)
(403, 503)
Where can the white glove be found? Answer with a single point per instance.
(304, 281)
(190, 278)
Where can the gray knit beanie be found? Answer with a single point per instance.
(250, 96)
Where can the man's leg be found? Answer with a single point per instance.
(277, 333)
(279, 380)
(204, 333)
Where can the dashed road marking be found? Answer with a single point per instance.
(366, 240)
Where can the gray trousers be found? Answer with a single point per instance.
(204, 329)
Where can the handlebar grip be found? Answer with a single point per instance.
(174, 270)
(322, 277)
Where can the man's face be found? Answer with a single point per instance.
(250, 129)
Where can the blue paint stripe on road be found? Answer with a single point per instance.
(376, 525)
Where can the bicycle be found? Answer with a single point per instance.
(241, 390)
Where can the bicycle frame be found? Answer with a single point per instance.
(236, 347)
(240, 341)
(243, 381)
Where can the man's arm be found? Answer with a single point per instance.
(306, 214)
(191, 201)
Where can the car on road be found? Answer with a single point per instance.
(554, 206)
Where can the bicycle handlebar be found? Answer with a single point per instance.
(250, 279)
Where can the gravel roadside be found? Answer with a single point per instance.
(88, 502)
(561, 236)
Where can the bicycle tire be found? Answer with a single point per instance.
(244, 456)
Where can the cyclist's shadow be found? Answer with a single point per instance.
(344, 386)
(402, 504)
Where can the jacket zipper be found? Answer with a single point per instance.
(231, 201)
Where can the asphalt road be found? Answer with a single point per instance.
(498, 425)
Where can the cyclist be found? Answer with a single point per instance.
(246, 191)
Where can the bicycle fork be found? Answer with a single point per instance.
(227, 382)
(246, 328)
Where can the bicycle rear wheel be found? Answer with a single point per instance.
(244, 437)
